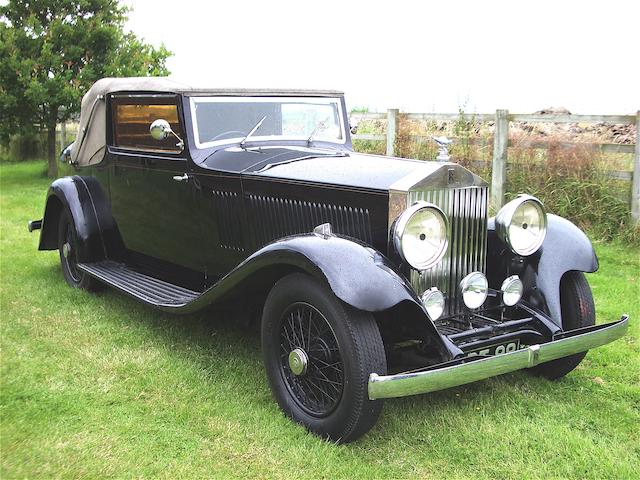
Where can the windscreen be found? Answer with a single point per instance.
(224, 120)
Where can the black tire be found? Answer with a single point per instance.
(331, 398)
(74, 277)
(578, 310)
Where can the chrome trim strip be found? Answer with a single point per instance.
(576, 341)
(398, 202)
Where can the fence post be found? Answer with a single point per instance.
(392, 130)
(499, 168)
(635, 187)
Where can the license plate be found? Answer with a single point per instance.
(498, 349)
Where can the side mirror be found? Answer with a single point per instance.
(65, 155)
(160, 130)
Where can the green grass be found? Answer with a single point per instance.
(99, 385)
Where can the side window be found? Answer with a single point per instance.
(131, 123)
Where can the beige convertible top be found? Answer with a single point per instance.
(90, 145)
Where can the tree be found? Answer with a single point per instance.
(51, 52)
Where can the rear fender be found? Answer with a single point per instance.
(85, 200)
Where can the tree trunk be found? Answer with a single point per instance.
(52, 157)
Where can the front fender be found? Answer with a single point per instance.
(565, 248)
(357, 274)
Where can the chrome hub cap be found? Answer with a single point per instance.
(298, 361)
(66, 250)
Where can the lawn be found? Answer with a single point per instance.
(101, 386)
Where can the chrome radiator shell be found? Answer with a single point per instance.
(464, 198)
(467, 251)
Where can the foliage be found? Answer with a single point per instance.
(51, 51)
(134, 58)
(375, 127)
(96, 386)
(572, 182)
(369, 146)
(464, 130)
(26, 146)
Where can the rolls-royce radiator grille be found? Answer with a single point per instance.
(467, 251)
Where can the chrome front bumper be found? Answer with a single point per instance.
(474, 368)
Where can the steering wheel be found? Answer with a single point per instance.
(242, 134)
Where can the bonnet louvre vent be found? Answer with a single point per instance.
(227, 210)
(275, 218)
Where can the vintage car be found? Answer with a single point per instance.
(376, 277)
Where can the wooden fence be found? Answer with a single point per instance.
(502, 119)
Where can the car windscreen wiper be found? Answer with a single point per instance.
(252, 131)
(321, 125)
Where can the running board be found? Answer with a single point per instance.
(140, 286)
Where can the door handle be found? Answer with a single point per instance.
(181, 178)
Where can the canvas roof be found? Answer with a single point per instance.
(91, 142)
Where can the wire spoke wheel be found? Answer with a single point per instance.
(318, 354)
(310, 359)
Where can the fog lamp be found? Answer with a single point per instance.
(474, 288)
(433, 302)
(512, 289)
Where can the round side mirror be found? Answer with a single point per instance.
(65, 155)
(160, 129)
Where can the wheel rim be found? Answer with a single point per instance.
(69, 254)
(310, 360)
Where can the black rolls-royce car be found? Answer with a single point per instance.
(376, 277)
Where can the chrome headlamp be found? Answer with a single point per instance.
(522, 224)
(420, 235)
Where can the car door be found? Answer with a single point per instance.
(152, 192)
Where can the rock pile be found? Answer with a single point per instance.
(580, 132)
